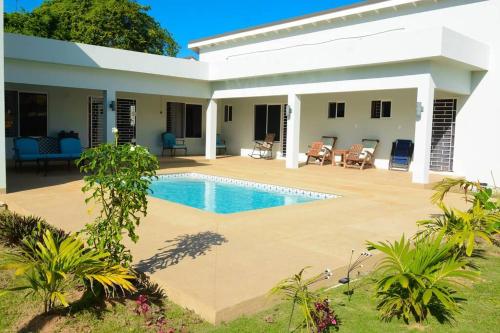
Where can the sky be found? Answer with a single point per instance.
(192, 19)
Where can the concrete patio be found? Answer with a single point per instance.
(222, 266)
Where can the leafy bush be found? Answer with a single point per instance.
(463, 228)
(118, 178)
(417, 279)
(315, 317)
(47, 269)
(14, 228)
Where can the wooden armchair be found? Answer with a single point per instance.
(362, 155)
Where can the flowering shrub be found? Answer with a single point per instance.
(324, 317)
(118, 178)
(142, 305)
(160, 324)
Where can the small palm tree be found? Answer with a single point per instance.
(48, 268)
(297, 289)
(463, 228)
(417, 279)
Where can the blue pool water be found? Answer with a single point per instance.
(220, 196)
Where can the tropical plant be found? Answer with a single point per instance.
(48, 269)
(14, 228)
(117, 180)
(123, 24)
(417, 279)
(297, 290)
(463, 228)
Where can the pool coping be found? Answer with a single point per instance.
(252, 184)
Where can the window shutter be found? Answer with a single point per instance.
(376, 109)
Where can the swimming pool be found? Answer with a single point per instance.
(224, 195)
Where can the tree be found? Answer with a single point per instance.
(122, 24)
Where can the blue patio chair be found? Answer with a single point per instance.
(170, 142)
(401, 154)
(220, 144)
(26, 150)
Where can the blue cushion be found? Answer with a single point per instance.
(178, 146)
(71, 146)
(400, 160)
(25, 146)
(29, 157)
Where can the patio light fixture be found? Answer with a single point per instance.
(112, 105)
(288, 111)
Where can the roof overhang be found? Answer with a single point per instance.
(341, 13)
(53, 51)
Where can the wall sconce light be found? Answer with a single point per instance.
(420, 109)
(288, 111)
(112, 105)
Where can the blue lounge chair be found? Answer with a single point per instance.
(26, 150)
(220, 144)
(401, 154)
(171, 143)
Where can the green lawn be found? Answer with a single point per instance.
(480, 312)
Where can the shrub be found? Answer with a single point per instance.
(14, 228)
(463, 228)
(297, 290)
(417, 279)
(118, 179)
(47, 269)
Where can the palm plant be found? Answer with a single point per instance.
(47, 268)
(418, 279)
(297, 289)
(462, 228)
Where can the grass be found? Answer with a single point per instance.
(479, 314)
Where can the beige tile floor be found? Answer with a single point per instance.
(222, 266)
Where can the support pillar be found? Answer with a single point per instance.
(423, 131)
(211, 130)
(3, 157)
(293, 132)
(110, 114)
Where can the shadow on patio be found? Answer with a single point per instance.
(179, 248)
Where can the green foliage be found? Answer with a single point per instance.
(47, 268)
(14, 228)
(118, 178)
(463, 228)
(297, 290)
(123, 24)
(418, 279)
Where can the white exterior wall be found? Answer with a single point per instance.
(479, 116)
(239, 133)
(68, 110)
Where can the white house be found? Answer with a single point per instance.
(425, 70)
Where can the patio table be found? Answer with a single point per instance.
(339, 152)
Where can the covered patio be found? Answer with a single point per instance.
(223, 265)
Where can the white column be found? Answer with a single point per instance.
(423, 131)
(211, 130)
(3, 161)
(110, 116)
(293, 132)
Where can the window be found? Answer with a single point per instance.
(25, 114)
(228, 113)
(193, 121)
(381, 109)
(336, 110)
(267, 120)
(184, 120)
